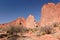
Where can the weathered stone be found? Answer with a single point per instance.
(30, 22)
(50, 14)
(47, 37)
(16, 22)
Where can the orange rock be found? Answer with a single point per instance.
(30, 22)
(21, 21)
(56, 35)
(50, 14)
(16, 22)
(47, 37)
(56, 29)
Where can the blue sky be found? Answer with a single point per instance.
(12, 9)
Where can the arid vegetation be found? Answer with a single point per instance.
(15, 32)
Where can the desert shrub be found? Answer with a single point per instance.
(13, 30)
(55, 25)
(23, 30)
(3, 29)
(45, 30)
(35, 29)
(2, 33)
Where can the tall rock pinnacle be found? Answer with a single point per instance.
(50, 14)
(30, 21)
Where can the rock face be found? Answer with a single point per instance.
(16, 22)
(30, 22)
(50, 14)
(20, 21)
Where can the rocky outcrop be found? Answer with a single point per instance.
(16, 22)
(20, 21)
(30, 22)
(50, 13)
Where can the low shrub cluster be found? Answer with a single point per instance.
(11, 31)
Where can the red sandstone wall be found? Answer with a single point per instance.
(50, 13)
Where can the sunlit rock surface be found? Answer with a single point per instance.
(17, 22)
(47, 37)
(50, 13)
(30, 22)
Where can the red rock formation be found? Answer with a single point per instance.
(30, 22)
(50, 14)
(16, 22)
(21, 21)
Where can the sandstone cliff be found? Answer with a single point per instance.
(50, 13)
